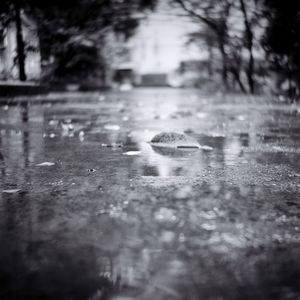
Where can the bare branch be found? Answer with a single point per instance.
(184, 5)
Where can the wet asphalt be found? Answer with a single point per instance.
(90, 210)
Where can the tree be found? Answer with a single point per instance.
(75, 32)
(213, 15)
(233, 25)
(72, 31)
(20, 41)
(10, 11)
(282, 41)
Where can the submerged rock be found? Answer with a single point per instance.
(173, 152)
(174, 140)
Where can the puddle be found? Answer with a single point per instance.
(118, 217)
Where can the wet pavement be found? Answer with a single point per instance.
(90, 210)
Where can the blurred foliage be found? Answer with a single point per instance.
(253, 43)
(247, 41)
(73, 33)
(282, 41)
(230, 30)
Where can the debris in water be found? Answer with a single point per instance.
(206, 148)
(67, 127)
(11, 191)
(132, 153)
(45, 164)
(81, 136)
(112, 127)
(217, 134)
(112, 145)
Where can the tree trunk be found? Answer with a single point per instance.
(20, 42)
(238, 80)
(250, 72)
(210, 59)
(249, 44)
(224, 62)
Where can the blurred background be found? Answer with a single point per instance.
(230, 45)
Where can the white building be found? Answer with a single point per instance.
(159, 46)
